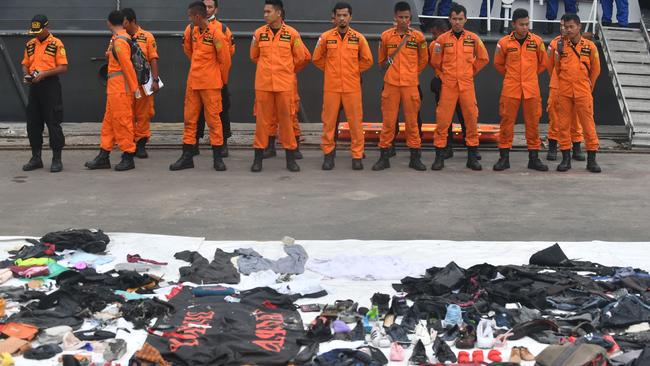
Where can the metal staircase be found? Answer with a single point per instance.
(627, 52)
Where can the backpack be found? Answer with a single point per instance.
(573, 355)
(140, 63)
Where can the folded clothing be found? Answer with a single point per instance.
(43, 352)
(19, 330)
(29, 271)
(14, 346)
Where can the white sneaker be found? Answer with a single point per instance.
(378, 337)
(422, 334)
(485, 334)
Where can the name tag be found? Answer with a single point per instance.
(285, 37)
(264, 37)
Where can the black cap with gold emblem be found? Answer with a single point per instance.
(39, 22)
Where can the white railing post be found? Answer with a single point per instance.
(531, 13)
(489, 15)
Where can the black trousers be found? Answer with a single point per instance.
(224, 115)
(45, 107)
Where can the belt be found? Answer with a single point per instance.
(114, 74)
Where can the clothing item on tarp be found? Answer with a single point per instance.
(365, 268)
(294, 263)
(36, 249)
(141, 312)
(91, 260)
(627, 311)
(263, 328)
(363, 356)
(220, 270)
(571, 355)
(90, 241)
(551, 256)
(43, 352)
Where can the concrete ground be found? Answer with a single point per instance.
(400, 203)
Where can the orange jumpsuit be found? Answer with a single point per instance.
(520, 64)
(277, 57)
(342, 59)
(273, 127)
(551, 108)
(144, 107)
(401, 82)
(578, 68)
(457, 61)
(117, 125)
(209, 54)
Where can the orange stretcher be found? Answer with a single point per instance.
(486, 132)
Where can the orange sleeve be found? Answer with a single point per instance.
(61, 56)
(423, 53)
(500, 59)
(124, 58)
(297, 48)
(320, 53)
(187, 42)
(223, 54)
(541, 57)
(25, 59)
(231, 41)
(255, 48)
(152, 47)
(550, 57)
(595, 66)
(307, 60)
(482, 57)
(365, 55)
(436, 57)
(382, 53)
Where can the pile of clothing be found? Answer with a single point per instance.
(65, 298)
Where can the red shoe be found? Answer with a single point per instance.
(463, 357)
(477, 356)
(495, 356)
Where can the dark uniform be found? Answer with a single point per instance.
(225, 103)
(45, 106)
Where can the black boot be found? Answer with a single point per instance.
(101, 161)
(328, 161)
(298, 153)
(224, 149)
(126, 163)
(391, 151)
(472, 160)
(57, 164)
(217, 153)
(535, 163)
(478, 154)
(439, 162)
(565, 164)
(257, 161)
(504, 160)
(384, 160)
(357, 164)
(270, 152)
(577, 154)
(35, 162)
(196, 149)
(592, 165)
(448, 152)
(483, 27)
(419, 355)
(140, 148)
(186, 161)
(291, 161)
(552, 150)
(415, 162)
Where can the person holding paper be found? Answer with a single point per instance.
(144, 107)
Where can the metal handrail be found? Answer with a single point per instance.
(593, 14)
(627, 115)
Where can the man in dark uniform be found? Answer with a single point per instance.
(43, 61)
(213, 8)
